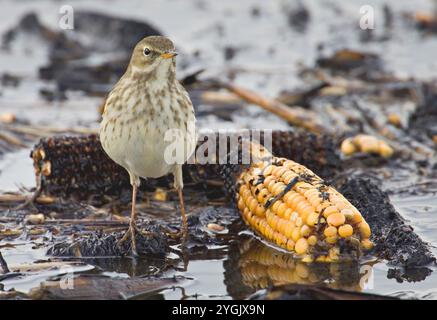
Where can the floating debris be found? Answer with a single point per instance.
(3, 265)
(347, 59)
(214, 227)
(8, 117)
(105, 288)
(426, 21)
(35, 218)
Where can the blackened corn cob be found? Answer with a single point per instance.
(78, 166)
(290, 206)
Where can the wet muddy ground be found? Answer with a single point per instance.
(54, 81)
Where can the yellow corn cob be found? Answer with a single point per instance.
(290, 206)
(366, 144)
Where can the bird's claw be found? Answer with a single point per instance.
(130, 233)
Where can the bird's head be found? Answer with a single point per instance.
(154, 55)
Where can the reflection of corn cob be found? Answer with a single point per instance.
(292, 207)
(261, 266)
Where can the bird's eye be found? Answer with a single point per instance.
(146, 51)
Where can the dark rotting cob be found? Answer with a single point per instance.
(78, 166)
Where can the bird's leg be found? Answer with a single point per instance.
(183, 215)
(130, 233)
(179, 184)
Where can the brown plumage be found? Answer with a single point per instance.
(147, 116)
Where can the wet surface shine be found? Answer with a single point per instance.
(228, 274)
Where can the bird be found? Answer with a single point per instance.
(148, 123)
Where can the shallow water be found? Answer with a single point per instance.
(407, 54)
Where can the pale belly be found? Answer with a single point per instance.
(145, 150)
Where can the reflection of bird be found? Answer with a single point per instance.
(145, 110)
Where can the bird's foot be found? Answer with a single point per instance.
(130, 234)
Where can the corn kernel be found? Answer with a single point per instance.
(275, 170)
(288, 213)
(240, 204)
(330, 231)
(262, 195)
(367, 244)
(330, 210)
(280, 172)
(281, 209)
(287, 195)
(368, 144)
(291, 198)
(278, 188)
(260, 210)
(253, 204)
(295, 235)
(348, 213)
(299, 222)
(385, 150)
(268, 170)
(336, 219)
(312, 240)
(290, 245)
(301, 246)
(280, 227)
(275, 206)
(345, 231)
(364, 229)
(305, 231)
(357, 218)
(331, 240)
(289, 228)
(348, 147)
(312, 219)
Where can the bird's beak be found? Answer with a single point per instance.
(169, 55)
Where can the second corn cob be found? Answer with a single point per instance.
(290, 206)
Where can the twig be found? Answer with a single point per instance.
(40, 131)
(31, 200)
(297, 116)
(87, 222)
(11, 139)
(3, 264)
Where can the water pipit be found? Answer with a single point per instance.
(148, 117)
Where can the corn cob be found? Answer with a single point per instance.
(290, 206)
(366, 144)
(77, 166)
